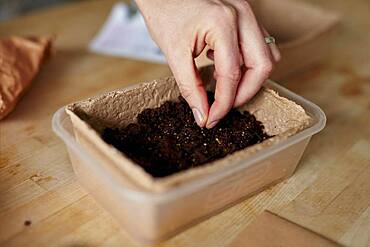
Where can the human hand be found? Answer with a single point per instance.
(183, 29)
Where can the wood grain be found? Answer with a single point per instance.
(329, 193)
(270, 230)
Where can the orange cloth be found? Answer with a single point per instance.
(20, 61)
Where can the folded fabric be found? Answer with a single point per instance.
(20, 61)
(125, 34)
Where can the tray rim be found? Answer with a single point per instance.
(184, 189)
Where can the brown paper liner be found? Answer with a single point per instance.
(280, 116)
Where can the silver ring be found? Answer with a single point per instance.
(270, 40)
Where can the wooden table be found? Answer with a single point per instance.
(329, 193)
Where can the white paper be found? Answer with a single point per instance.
(127, 36)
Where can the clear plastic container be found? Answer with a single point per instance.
(151, 217)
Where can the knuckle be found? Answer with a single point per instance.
(229, 12)
(222, 12)
(242, 5)
(265, 67)
(232, 75)
(185, 91)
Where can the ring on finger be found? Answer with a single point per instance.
(270, 40)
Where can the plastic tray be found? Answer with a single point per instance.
(153, 217)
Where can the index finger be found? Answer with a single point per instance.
(227, 68)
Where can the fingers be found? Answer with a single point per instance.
(273, 48)
(190, 84)
(227, 68)
(256, 55)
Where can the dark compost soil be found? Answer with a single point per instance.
(166, 140)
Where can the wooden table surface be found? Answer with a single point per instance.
(329, 193)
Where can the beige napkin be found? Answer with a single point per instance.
(20, 60)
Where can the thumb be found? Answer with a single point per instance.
(190, 85)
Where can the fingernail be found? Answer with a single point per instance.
(198, 117)
(211, 125)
